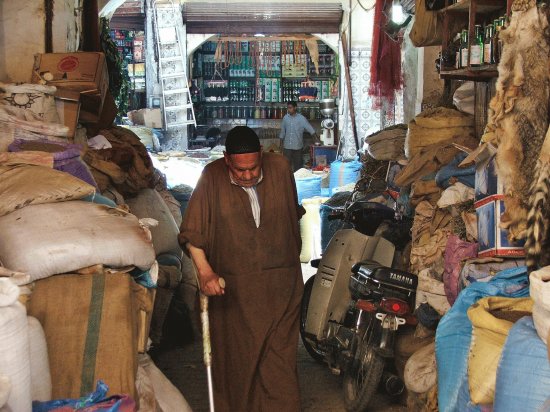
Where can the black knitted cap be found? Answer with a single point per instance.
(242, 139)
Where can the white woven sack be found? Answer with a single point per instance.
(149, 204)
(168, 396)
(539, 289)
(17, 123)
(14, 348)
(22, 185)
(47, 239)
(5, 389)
(35, 97)
(421, 370)
(310, 229)
(41, 379)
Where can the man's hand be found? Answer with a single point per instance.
(316, 139)
(211, 284)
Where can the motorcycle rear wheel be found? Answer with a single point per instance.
(361, 382)
(313, 351)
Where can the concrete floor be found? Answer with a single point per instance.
(320, 389)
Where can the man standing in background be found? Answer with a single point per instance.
(292, 136)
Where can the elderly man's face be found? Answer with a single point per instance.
(245, 169)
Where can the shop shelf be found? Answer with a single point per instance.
(482, 73)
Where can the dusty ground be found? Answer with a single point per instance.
(321, 391)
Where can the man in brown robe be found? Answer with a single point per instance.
(242, 223)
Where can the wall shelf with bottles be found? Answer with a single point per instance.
(260, 76)
(473, 52)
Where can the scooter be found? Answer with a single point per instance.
(355, 303)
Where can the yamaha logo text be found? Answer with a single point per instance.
(401, 278)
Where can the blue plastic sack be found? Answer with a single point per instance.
(453, 336)
(523, 374)
(465, 175)
(94, 402)
(99, 199)
(143, 278)
(308, 187)
(342, 173)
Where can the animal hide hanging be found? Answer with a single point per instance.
(518, 115)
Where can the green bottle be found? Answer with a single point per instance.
(464, 49)
(476, 47)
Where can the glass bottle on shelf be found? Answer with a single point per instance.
(476, 47)
(488, 57)
(257, 112)
(495, 40)
(464, 49)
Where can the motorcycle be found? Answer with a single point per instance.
(358, 299)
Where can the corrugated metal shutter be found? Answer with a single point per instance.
(267, 18)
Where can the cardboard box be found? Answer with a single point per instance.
(152, 118)
(493, 241)
(487, 182)
(146, 117)
(85, 72)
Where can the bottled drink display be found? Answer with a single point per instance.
(485, 46)
(256, 80)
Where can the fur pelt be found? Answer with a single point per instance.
(518, 115)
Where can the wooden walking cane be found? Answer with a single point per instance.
(206, 345)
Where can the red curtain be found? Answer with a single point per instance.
(385, 67)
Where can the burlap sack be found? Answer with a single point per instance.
(22, 185)
(91, 329)
(443, 117)
(492, 318)
(419, 137)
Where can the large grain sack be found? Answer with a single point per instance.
(310, 229)
(387, 144)
(492, 318)
(47, 239)
(443, 117)
(37, 98)
(41, 380)
(167, 395)
(14, 348)
(23, 185)
(421, 370)
(454, 335)
(173, 205)
(523, 375)
(18, 123)
(432, 292)
(539, 287)
(95, 339)
(419, 137)
(5, 389)
(149, 204)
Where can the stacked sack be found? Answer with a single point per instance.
(85, 268)
(440, 193)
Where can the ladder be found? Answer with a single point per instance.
(177, 105)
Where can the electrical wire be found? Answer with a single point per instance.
(363, 7)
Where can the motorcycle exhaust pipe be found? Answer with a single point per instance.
(392, 384)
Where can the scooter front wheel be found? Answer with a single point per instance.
(361, 381)
(312, 350)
